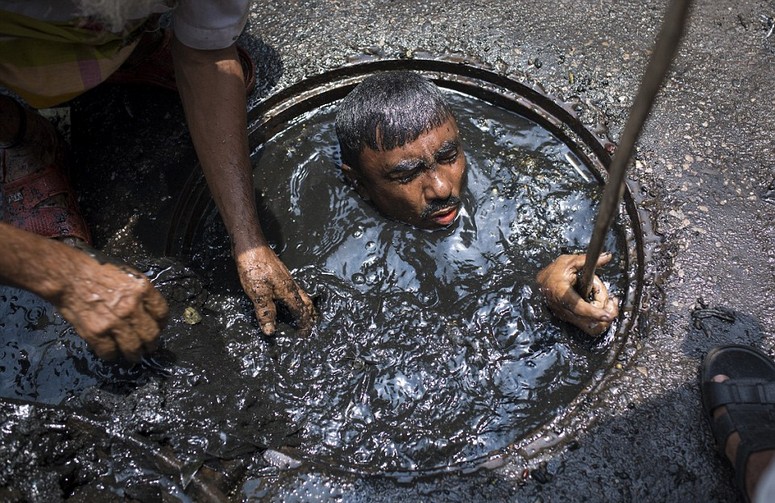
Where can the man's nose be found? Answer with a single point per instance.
(437, 186)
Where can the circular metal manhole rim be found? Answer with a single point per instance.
(270, 116)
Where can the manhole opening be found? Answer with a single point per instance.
(434, 351)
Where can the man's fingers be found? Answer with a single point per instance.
(577, 261)
(596, 328)
(133, 338)
(599, 291)
(147, 329)
(266, 312)
(302, 309)
(612, 307)
(299, 304)
(137, 329)
(583, 309)
(266, 280)
(603, 259)
(150, 346)
(155, 305)
(597, 308)
(103, 346)
(128, 339)
(556, 282)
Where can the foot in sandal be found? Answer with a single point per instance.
(33, 177)
(738, 395)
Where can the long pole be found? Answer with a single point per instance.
(664, 50)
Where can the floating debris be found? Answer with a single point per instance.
(280, 460)
(191, 316)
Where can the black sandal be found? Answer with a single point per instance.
(748, 395)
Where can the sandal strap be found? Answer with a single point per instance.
(723, 427)
(55, 222)
(24, 195)
(29, 191)
(754, 422)
(739, 391)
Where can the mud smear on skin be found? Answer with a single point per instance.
(432, 348)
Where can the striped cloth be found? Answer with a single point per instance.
(47, 63)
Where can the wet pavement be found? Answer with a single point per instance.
(705, 172)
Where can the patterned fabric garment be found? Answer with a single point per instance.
(49, 55)
(49, 63)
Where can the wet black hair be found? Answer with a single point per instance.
(388, 110)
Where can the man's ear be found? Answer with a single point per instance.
(355, 180)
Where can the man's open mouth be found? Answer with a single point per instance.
(445, 216)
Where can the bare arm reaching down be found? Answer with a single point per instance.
(114, 309)
(212, 89)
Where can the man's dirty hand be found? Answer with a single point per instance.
(115, 309)
(266, 281)
(557, 283)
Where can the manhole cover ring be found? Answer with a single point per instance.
(272, 115)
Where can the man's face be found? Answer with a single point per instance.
(418, 183)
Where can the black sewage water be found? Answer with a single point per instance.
(432, 349)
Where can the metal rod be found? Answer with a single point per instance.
(664, 50)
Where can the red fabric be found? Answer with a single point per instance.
(24, 195)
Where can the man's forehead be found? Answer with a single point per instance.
(428, 142)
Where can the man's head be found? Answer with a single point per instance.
(400, 148)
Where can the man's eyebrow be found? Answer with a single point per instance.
(406, 165)
(448, 146)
